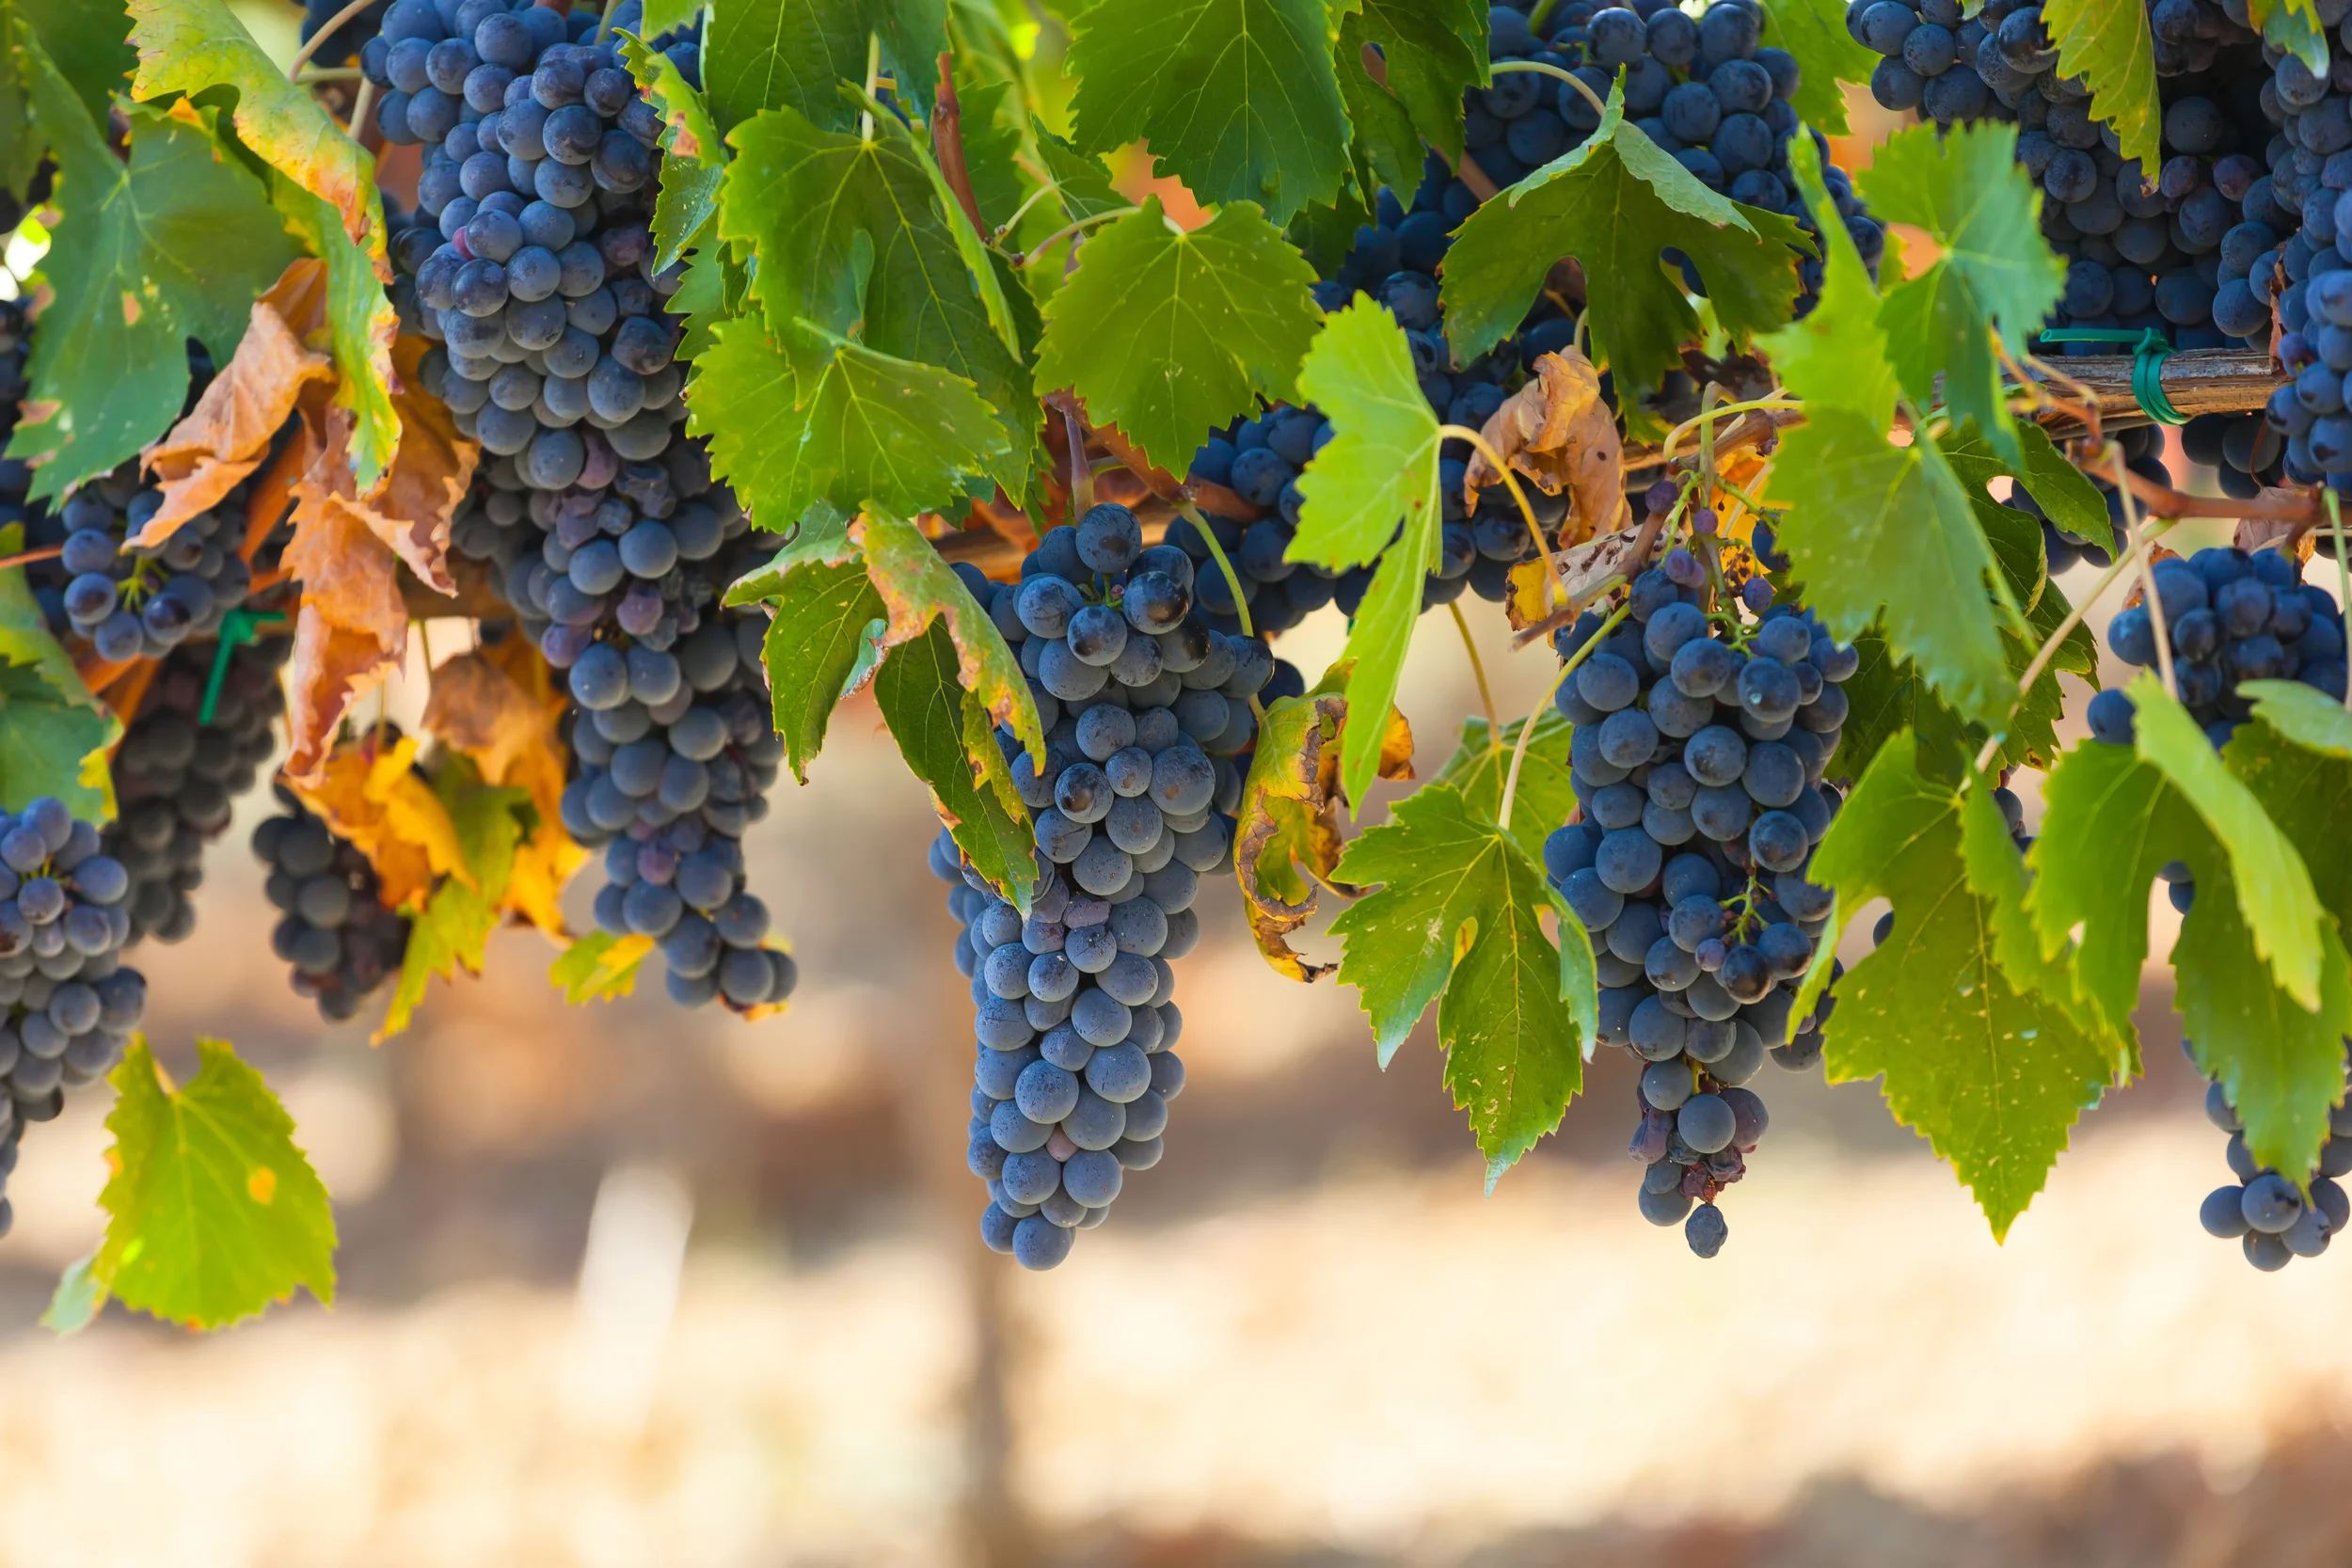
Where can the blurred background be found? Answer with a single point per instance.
(624, 1286)
(621, 1285)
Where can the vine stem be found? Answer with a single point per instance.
(1233, 583)
(1548, 69)
(2050, 644)
(873, 76)
(2343, 571)
(29, 557)
(1081, 467)
(359, 107)
(1527, 512)
(2147, 571)
(1527, 727)
(1060, 235)
(1478, 667)
(311, 44)
(947, 143)
(1773, 399)
(1049, 188)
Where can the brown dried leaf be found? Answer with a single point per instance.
(1557, 430)
(352, 626)
(497, 706)
(228, 434)
(375, 802)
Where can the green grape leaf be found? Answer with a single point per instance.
(213, 1213)
(1836, 356)
(2281, 1064)
(821, 418)
(916, 588)
(1387, 148)
(852, 239)
(1457, 921)
(175, 244)
(453, 927)
(2114, 818)
(361, 323)
(1378, 470)
(1237, 98)
(2106, 45)
(55, 738)
(1167, 334)
(941, 728)
(795, 54)
(2062, 491)
(1998, 275)
(993, 153)
(817, 644)
(823, 537)
(2109, 823)
(600, 967)
(191, 45)
(2275, 896)
(1081, 183)
(1614, 202)
(1815, 32)
(1883, 534)
(87, 44)
(1479, 768)
(1431, 53)
(695, 157)
(1992, 1073)
(2310, 718)
(668, 16)
(2295, 26)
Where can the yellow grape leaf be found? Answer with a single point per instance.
(600, 967)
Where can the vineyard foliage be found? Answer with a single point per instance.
(946, 274)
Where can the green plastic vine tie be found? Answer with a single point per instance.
(239, 626)
(2149, 352)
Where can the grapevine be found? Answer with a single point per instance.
(638, 390)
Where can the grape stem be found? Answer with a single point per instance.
(310, 45)
(2051, 645)
(947, 143)
(1065, 232)
(2343, 571)
(1548, 69)
(873, 78)
(29, 557)
(2147, 569)
(1527, 512)
(1527, 728)
(1232, 582)
(1478, 667)
(1776, 399)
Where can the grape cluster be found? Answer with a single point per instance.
(2262, 1210)
(2229, 617)
(336, 933)
(673, 746)
(131, 604)
(1703, 89)
(2196, 249)
(1148, 721)
(68, 1004)
(540, 173)
(612, 544)
(1698, 750)
(178, 776)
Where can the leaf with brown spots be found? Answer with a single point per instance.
(1557, 430)
(1287, 838)
(917, 587)
(192, 45)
